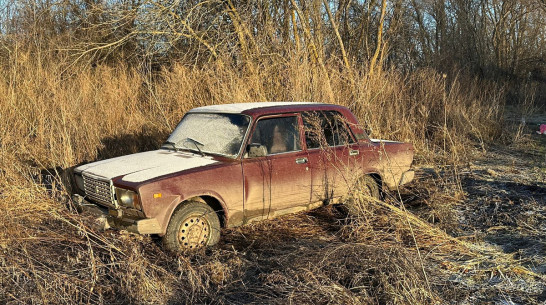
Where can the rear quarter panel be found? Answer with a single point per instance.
(392, 161)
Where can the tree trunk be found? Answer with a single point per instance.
(379, 44)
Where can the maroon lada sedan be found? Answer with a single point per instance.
(228, 165)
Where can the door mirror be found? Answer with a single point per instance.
(368, 130)
(256, 150)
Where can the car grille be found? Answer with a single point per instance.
(98, 191)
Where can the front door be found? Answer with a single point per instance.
(275, 169)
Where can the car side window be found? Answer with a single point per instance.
(277, 135)
(325, 129)
(312, 126)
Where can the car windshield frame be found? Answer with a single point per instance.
(170, 144)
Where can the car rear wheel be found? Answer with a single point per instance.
(194, 225)
(368, 187)
(365, 189)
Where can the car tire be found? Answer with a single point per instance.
(369, 186)
(192, 226)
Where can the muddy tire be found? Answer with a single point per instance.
(193, 225)
(365, 188)
(369, 187)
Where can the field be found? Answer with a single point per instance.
(464, 81)
(468, 230)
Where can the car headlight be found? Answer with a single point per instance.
(128, 198)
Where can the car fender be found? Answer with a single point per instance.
(179, 200)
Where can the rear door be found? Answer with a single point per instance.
(333, 154)
(281, 179)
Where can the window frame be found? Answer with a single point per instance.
(344, 122)
(302, 143)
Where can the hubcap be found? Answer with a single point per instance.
(194, 232)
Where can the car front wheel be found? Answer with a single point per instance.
(192, 226)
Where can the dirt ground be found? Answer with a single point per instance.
(505, 207)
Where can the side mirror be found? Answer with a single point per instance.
(368, 131)
(256, 150)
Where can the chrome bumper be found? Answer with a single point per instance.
(114, 218)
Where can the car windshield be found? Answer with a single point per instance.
(215, 133)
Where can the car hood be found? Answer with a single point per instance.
(145, 166)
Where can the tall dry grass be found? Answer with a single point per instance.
(53, 117)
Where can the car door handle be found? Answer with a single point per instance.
(301, 160)
(353, 152)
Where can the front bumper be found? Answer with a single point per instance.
(116, 219)
(407, 177)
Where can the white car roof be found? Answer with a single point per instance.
(240, 107)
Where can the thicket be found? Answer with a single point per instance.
(88, 80)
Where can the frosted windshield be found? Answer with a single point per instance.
(216, 133)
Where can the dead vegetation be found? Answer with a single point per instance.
(381, 254)
(80, 83)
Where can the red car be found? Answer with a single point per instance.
(228, 165)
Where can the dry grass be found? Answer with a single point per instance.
(52, 119)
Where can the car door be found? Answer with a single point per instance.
(277, 178)
(333, 154)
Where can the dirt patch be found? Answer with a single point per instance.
(508, 210)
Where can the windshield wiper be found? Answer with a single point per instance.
(196, 143)
(172, 144)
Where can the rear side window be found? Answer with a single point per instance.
(323, 129)
(278, 135)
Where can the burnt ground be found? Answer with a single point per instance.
(505, 207)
